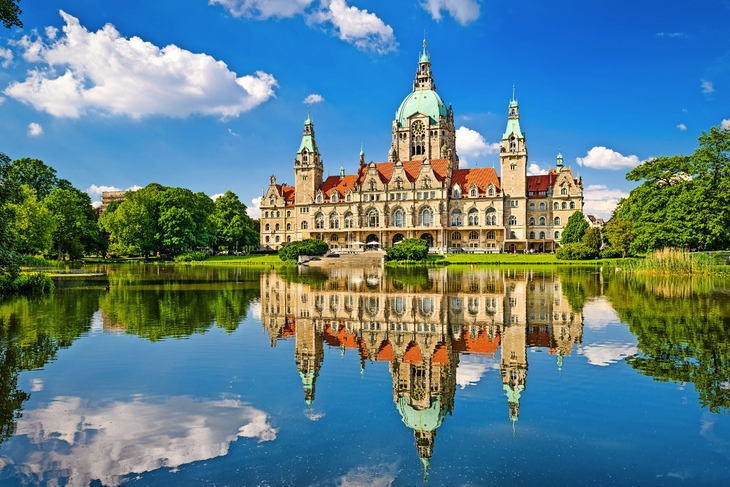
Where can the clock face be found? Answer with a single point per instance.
(417, 127)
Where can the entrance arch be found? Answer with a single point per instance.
(397, 238)
(428, 238)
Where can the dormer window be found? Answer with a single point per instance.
(473, 193)
(319, 198)
(456, 193)
(271, 201)
(491, 192)
(399, 183)
(563, 190)
(348, 198)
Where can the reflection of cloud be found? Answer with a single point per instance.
(85, 442)
(312, 416)
(381, 475)
(598, 314)
(256, 309)
(606, 353)
(36, 385)
(471, 370)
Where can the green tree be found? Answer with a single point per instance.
(593, 238)
(32, 222)
(310, 246)
(619, 234)
(232, 223)
(408, 249)
(9, 259)
(574, 229)
(76, 229)
(37, 175)
(10, 13)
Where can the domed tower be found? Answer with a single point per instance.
(308, 355)
(424, 127)
(308, 167)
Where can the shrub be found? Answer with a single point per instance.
(611, 253)
(195, 255)
(408, 249)
(310, 246)
(34, 283)
(575, 251)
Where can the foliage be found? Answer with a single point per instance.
(678, 261)
(593, 238)
(576, 251)
(310, 246)
(233, 224)
(618, 232)
(34, 283)
(35, 174)
(76, 231)
(9, 259)
(574, 229)
(611, 253)
(579, 286)
(413, 249)
(194, 256)
(10, 13)
(33, 223)
(684, 201)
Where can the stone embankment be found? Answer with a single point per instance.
(363, 259)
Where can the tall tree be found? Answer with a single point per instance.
(32, 223)
(574, 229)
(619, 234)
(35, 174)
(9, 259)
(76, 229)
(232, 223)
(593, 238)
(10, 13)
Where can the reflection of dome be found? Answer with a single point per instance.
(427, 102)
(423, 420)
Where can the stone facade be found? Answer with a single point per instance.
(421, 192)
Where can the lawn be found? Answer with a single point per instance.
(243, 259)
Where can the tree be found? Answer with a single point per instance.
(408, 249)
(10, 13)
(37, 175)
(9, 259)
(33, 223)
(619, 234)
(311, 246)
(593, 239)
(76, 229)
(574, 229)
(233, 225)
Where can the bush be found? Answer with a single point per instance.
(575, 251)
(28, 284)
(611, 253)
(193, 256)
(408, 249)
(310, 246)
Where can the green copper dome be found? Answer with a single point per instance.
(427, 102)
(424, 420)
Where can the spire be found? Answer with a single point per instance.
(425, 58)
(424, 77)
(513, 102)
(513, 119)
(308, 121)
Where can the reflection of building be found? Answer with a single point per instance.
(421, 191)
(420, 329)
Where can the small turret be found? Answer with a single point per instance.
(559, 162)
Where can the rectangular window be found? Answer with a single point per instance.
(419, 195)
(405, 196)
(377, 197)
(433, 194)
(399, 196)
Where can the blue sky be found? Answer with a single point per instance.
(210, 95)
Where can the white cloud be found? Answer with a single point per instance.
(600, 201)
(34, 129)
(471, 370)
(2, 100)
(707, 86)
(606, 353)
(364, 30)
(464, 11)
(599, 314)
(725, 124)
(682, 127)
(313, 416)
(602, 158)
(36, 385)
(313, 98)
(263, 9)
(255, 309)
(216, 196)
(535, 170)
(672, 35)
(233, 133)
(471, 143)
(51, 32)
(254, 211)
(7, 56)
(105, 72)
(86, 442)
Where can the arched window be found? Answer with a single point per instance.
(512, 220)
(491, 235)
(334, 197)
(456, 218)
(277, 239)
(277, 227)
(288, 227)
(564, 205)
(512, 235)
(473, 193)
(334, 237)
(319, 198)
(319, 221)
(532, 206)
(542, 206)
(425, 306)
(542, 221)
(305, 225)
(456, 236)
(267, 239)
(572, 205)
(512, 144)
(455, 193)
(557, 235)
(278, 214)
(425, 217)
(556, 206)
(348, 198)
(428, 238)
(542, 235)
(491, 216)
(399, 218)
(556, 221)
(373, 218)
(532, 235)
(288, 239)
(474, 217)
(334, 220)
(268, 227)
(490, 192)
(563, 190)
(532, 221)
(349, 220)
(288, 213)
(473, 236)
(266, 214)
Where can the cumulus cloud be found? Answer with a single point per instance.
(535, 170)
(254, 211)
(313, 98)
(216, 196)
(104, 72)
(107, 442)
(725, 124)
(471, 370)
(682, 127)
(602, 158)
(707, 86)
(606, 353)
(263, 9)
(361, 28)
(470, 143)
(51, 32)
(35, 129)
(7, 57)
(464, 11)
(599, 200)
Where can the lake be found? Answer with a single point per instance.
(238, 376)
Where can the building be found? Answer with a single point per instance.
(421, 191)
(109, 196)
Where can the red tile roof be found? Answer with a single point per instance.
(412, 169)
(339, 184)
(287, 192)
(481, 176)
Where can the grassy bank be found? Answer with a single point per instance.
(680, 262)
(262, 260)
(504, 259)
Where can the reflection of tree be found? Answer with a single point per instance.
(31, 333)
(580, 285)
(683, 336)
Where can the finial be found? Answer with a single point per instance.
(362, 152)
(424, 39)
(513, 92)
